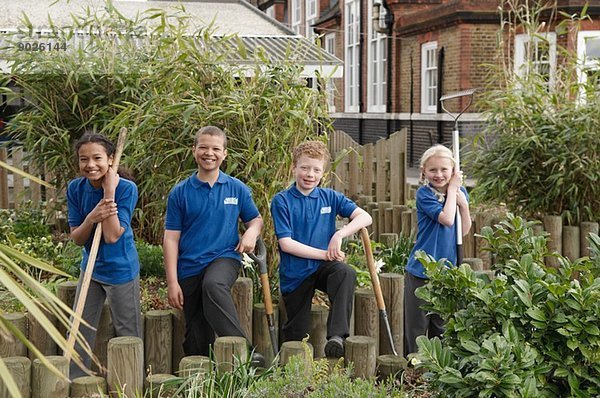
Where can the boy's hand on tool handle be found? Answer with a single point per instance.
(334, 250)
(175, 295)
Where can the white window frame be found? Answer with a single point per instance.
(429, 83)
(329, 46)
(311, 11)
(584, 63)
(351, 55)
(377, 67)
(296, 16)
(522, 65)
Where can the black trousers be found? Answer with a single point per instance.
(208, 306)
(335, 278)
(418, 322)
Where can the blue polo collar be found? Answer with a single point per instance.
(89, 187)
(294, 191)
(197, 183)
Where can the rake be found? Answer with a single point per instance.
(456, 154)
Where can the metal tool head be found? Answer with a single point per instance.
(457, 94)
(465, 93)
(260, 257)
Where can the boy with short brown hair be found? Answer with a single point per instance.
(311, 249)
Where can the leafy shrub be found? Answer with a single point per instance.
(395, 258)
(151, 259)
(531, 331)
(539, 151)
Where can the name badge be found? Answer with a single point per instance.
(326, 210)
(231, 201)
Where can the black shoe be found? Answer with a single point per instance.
(334, 347)
(257, 360)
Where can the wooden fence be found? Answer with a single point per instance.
(376, 171)
(14, 188)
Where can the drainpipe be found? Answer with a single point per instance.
(387, 30)
(440, 81)
(361, 108)
(410, 123)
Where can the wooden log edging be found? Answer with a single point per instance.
(230, 352)
(10, 346)
(366, 314)
(194, 364)
(261, 339)
(392, 288)
(302, 349)
(361, 352)
(318, 329)
(243, 297)
(19, 367)
(47, 384)
(125, 366)
(88, 386)
(158, 341)
(160, 385)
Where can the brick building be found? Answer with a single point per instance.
(400, 56)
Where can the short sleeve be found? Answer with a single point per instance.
(428, 203)
(249, 211)
(75, 216)
(126, 199)
(345, 207)
(174, 219)
(281, 217)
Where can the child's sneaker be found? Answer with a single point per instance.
(257, 360)
(334, 347)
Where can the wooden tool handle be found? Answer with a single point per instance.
(89, 269)
(364, 236)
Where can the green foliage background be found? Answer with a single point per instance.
(539, 152)
(163, 81)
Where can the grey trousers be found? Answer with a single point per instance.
(417, 322)
(336, 279)
(208, 306)
(124, 301)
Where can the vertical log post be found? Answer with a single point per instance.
(3, 180)
(66, 293)
(587, 227)
(47, 384)
(230, 352)
(318, 329)
(475, 263)
(88, 386)
(366, 314)
(302, 349)
(19, 367)
(39, 337)
(125, 366)
(388, 239)
(194, 364)
(392, 288)
(553, 225)
(105, 332)
(160, 385)
(242, 294)
(406, 222)
(390, 366)
(178, 337)
(360, 351)
(571, 242)
(10, 346)
(261, 339)
(158, 340)
(382, 206)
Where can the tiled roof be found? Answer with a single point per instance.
(226, 16)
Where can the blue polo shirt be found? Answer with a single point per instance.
(208, 220)
(116, 263)
(308, 219)
(436, 239)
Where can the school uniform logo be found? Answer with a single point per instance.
(326, 210)
(231, 201)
